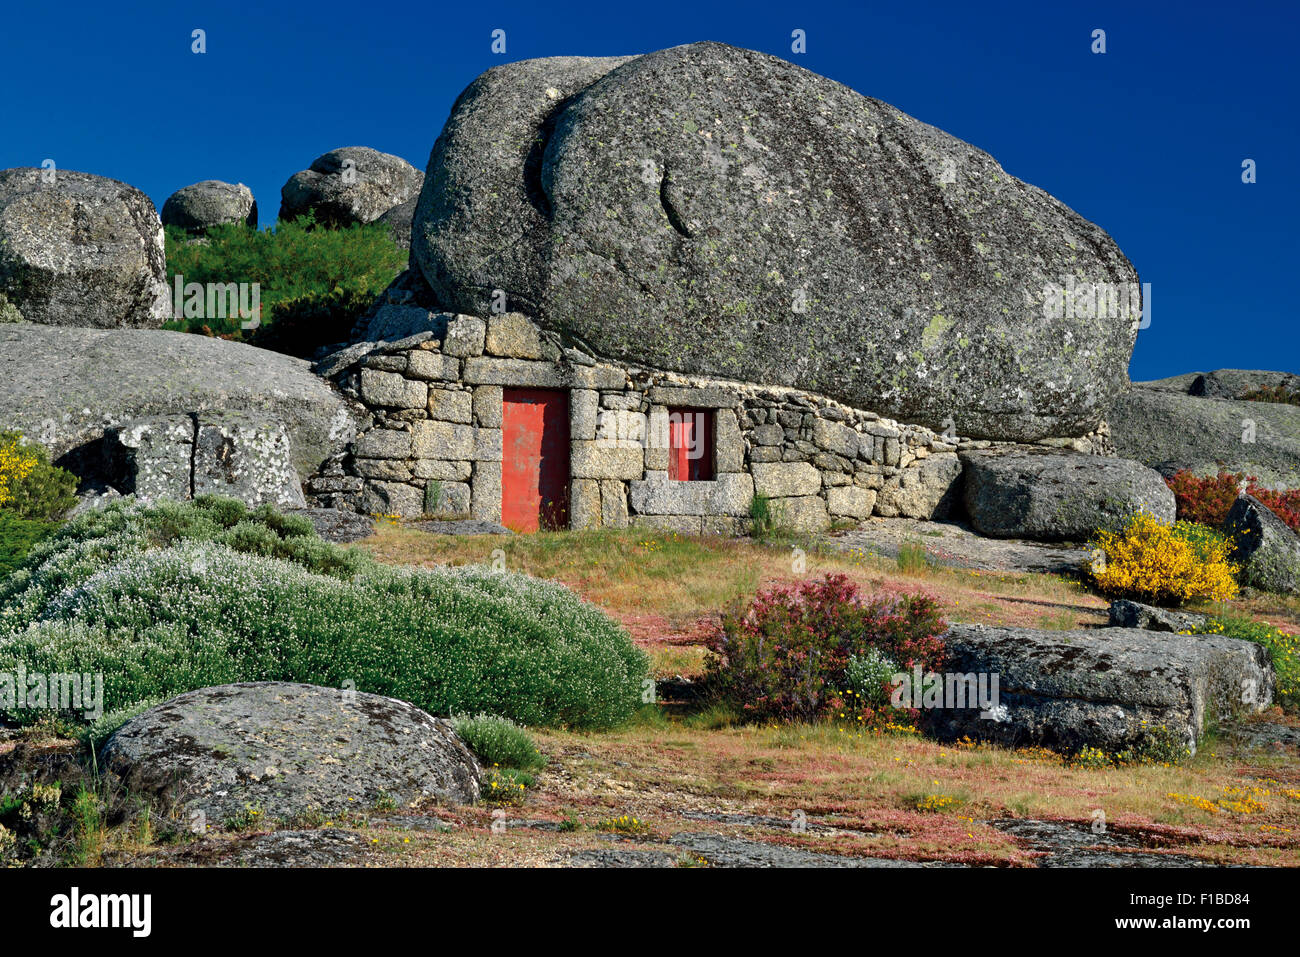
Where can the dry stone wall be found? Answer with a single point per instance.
(434, 443)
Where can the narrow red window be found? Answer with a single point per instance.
(690, 445)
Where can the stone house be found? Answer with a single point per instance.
(498, 420)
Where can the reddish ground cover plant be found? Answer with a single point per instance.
(783, 655)
(1207, 500)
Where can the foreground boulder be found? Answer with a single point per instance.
(210, 203)
(351, 185)
(81, 250)
(1265, 547)
(1111, 688)
(712, 210)
(1162, 425)
(67, 388)
(284, 750)
(1053, 496)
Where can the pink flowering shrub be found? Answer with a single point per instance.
(783, 655)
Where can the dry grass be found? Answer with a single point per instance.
(670, 588)
(865, 792)
(861, 796)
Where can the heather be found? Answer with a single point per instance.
(816, 648)
(1208, 499)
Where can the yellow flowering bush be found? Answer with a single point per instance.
(16, 463)
(1163, 564)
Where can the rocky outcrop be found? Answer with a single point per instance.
(68, 388)
(354, 184)
(81, 250)
(1162, 425)
(283, 750)
(1111, 688)
(1229, 383)
(1052, 496)
(1265, 547)
(720, 212)
(210, 203)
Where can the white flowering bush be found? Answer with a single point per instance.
(165, 599)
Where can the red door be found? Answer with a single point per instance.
(535, 459)
(690, 445)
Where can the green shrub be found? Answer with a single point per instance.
(1284, 647)
(498, 741)
(8, 311)
(912, 558)
(17, 538)
(164, 599)
(31, 487)
(300, 327)
(315, 282)
(764, 516)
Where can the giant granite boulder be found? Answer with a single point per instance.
(210, 203)
(81, 250)
(1265, 547)
(713, 210)
(354, 184)
(67, 388)
(1058, 496)
(1190, 422)
(284, 750)
(1110, 688)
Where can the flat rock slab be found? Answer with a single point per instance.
(465, 527)
(326, 847)
(1132, 614)
(66, 387)
(719, 850)
(284, 749)
(619, 857)
(1265, 734)
(1108, 689)
(956, 545)
(1076, 844)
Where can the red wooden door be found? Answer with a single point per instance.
(535, 459)
(690, 445)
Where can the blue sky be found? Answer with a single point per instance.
(1146, 140)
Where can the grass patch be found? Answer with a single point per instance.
(498, 741)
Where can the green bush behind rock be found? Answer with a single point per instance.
(315, 282)
(168, 598)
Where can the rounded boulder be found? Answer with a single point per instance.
(280, 750)
(717, 211)
(201, 206)
(354, 184)
(81, 250)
